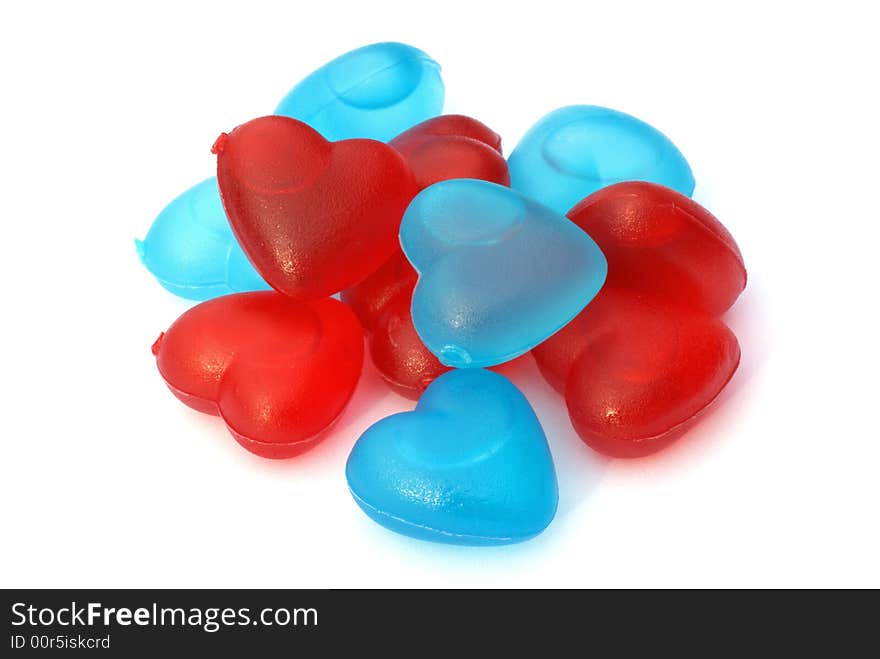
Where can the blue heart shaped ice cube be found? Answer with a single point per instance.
(470, 465)
(191, 250)
(576, 150)
(498, 272)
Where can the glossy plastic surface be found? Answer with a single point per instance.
(375, 92)
(313, 216)
(458, 126)
(637, 371)
(369, 298)
(191, 250)
(576, 150)
(398, 352)
(452, 146)
(469, 466)
(661, 242)
(277, 370)
(499, 273)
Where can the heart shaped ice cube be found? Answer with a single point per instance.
(470, 465)
(576, 150)
(498, 272)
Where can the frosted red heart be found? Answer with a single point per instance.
(314, 217)
(636, 371)
(452, 146)
(660, 242)
(277, 370)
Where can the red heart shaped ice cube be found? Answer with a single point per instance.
(398, 352)
(447, 125)
(637, 370)
(452, 146)
(277, 370)
(313, 216)
(557, 355)
(369, 298)
(660, 242)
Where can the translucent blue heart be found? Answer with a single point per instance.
(470, 465)
(191, 250)
(377, 91)
(498, 272)
(576, 150)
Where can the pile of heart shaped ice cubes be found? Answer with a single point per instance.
(359, 211)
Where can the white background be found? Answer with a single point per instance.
(109, 110)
